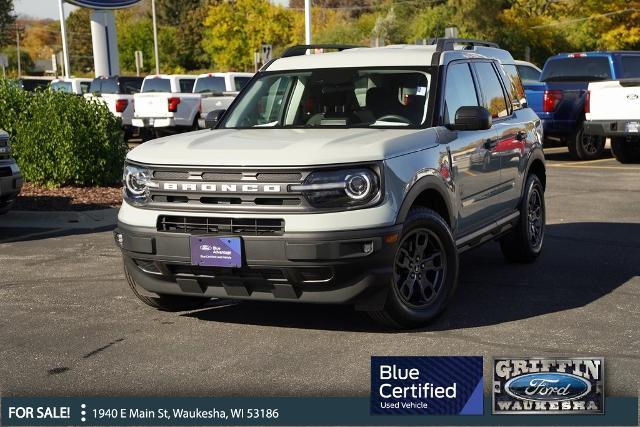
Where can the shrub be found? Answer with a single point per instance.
(62, 139)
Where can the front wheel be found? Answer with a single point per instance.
(586, 147)
(425, 272)
(524, 242)
(163, 301)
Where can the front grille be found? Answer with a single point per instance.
(224, 226)
(5, 171)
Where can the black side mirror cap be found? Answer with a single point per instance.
(472, 118)
(212, 118)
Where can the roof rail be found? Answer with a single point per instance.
(301, 49)
(443, 44)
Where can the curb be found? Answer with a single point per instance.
(63, 220)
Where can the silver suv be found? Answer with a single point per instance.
(352, 177)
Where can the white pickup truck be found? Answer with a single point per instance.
(166, 104)
(218, 90)
(117, 94)
(613, 110)
(75, 85)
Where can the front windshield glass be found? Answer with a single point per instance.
(334, 97)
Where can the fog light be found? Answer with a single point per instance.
(367, 248)
(119, 239)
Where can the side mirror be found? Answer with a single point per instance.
(472, 118)
(212, 118)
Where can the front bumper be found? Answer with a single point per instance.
(324, 267)
(10, 184)
(610, 128)
(153, 122)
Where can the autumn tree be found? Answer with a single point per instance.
(80, 43)
(7, 21)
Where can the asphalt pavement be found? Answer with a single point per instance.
(69, 326)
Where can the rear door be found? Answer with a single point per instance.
(476, 171)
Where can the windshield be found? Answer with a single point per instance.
(578, 69)
(334, 97)
(62, 87)
(156, 84)
(209, 84)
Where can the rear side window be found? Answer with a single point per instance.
(516, 90)
(578, 69)
(493, 95)
(156, 84)
(241, 82)
(529, 74)
(186, 85)
(630, 66)
(209, 84)
(459, 91)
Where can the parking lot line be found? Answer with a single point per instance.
(588, 162)
(576, 166)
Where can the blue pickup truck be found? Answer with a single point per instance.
(561, 96)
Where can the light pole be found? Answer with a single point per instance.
(307, 21)
(155, 35)
(18, 47)
(65, 51)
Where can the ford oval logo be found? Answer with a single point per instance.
(547, 386)
(632, 96)
(103, 4)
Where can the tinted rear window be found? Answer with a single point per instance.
(186, 85)
(577, 69)
(209, 84)
(130, 85)
(104, 86)
(156, 84)
(33, 84)
(630, 66)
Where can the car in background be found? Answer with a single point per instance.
(75, 85)
(30, 83)
(166, 104)
(529, 73)
(560, 98)
(613, 111)
(218, 90)
(10, 177)
(117, 94)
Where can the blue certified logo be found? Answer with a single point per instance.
(546, 386)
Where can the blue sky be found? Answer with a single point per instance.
(49, 8)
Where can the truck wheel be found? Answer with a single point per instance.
(162, 301)
(625, 150)
(425, 272)
(586, 147)
(524, 242)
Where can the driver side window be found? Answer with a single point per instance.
(459, 91)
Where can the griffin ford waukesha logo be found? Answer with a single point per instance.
(548, 386)
(632, 97)
(220, 188)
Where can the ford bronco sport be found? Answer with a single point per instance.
(353, 177)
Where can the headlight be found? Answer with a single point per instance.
(341, 188)
(136, 182)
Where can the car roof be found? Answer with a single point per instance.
(528, 64)
(169, 76)
(395, 55)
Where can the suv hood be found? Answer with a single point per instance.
(282, 147)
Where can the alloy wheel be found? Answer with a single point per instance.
(535, 218)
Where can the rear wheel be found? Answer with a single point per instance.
(586, 147)
(163, 301)
(425, 272)
(625, 150)
(524, 242)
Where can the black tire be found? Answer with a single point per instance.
(524, 242)
(625, 150)
(146, 134)
(164, 302)
(586, 147)
(410, 305)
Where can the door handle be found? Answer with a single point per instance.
(521, 135)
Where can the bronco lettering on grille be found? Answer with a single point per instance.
(222, 188)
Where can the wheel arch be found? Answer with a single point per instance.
(537, 167)
(429, 192)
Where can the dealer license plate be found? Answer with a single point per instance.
(633, 127)
(207, 251)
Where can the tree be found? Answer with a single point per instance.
(80, 43)
(190, 53)
(354, 8)
(7, 21)
(173, 12)
(234, 31)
